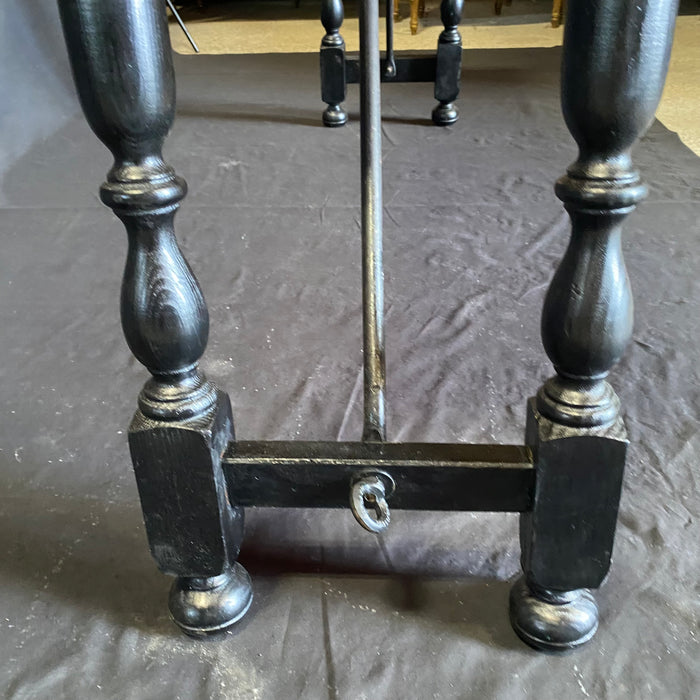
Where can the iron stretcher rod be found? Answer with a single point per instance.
(372, 266)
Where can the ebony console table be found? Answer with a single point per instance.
(195, 479)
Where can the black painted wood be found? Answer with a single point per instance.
(191, 529)
(615, 59)
(443, 67)
(333, 69)
(193, 477)
(614, 64)
(427, 476)
(122, 64)
(567, 538)
(449, 63)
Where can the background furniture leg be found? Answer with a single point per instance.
(449, 63)
(414, 16)
(614, 63)
(333, 82)
(557, 11)
(122, 65)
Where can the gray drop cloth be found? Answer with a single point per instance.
(271, 227)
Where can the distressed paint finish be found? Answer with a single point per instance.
(615, 59)
(122, 65)
(194, 478)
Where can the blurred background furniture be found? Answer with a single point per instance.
(416, 10)
(557, 10)
(443, 68)
(498, 5)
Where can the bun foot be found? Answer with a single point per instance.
(202, 607)
(445, 114)
(552, 621)
(334, 115)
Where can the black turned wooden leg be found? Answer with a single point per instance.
(614, 64)
(448, 65)
(121, 59)
(333, 83)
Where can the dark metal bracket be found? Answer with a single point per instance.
(195, 479)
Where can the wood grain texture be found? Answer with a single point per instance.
(122, 65)
(614, 64)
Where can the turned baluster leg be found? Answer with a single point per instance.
(333, 85)
(413, 24)
(614, 64)
(449, 63)
(557, 11)
(121, 59)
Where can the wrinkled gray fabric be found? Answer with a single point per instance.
(271, 227)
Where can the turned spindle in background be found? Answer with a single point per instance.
(449, 63)
(615, 59)
(333, 85)
(122, 65)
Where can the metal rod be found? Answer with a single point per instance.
(372, 269)
(390, 63)
(182, 25)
